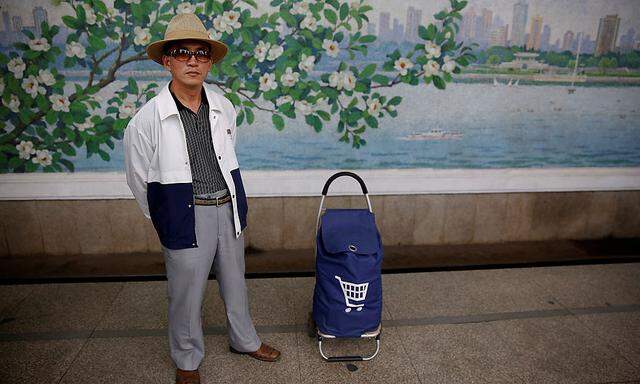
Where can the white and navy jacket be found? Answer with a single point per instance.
(159, 172)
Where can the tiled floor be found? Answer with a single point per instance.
(578, 324)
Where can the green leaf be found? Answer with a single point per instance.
(104, 155)
(67, 149)
(330, 15)
(97, 43)
(239, 118)
(288, 18)
(371, 121)
(133, 86)
(395, 100)
(367, 39)
(250, 116)
(380, 79)
(314, 121)
(70, 22)
(368, 71)
(438, 82)
(344, 11)
(278, 122)
(67, 164)
(51, 117)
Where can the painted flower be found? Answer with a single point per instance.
(300, 8)
(449, 64)
(289, 78)
(90, 16)
(331, 47)
(232, 19)
(215, 35)
(431, 68)
(267, 82)
(433, 50)
(41, 44)
(59, 103)
(17, 66)
(112, 13)
(284, 100)
(132, 1)
(260, 51)
(303, 107)
(309, 22)
(25, 149)
(30, 86)
(373, 106)
(142, 36)
(14, 103)
(87, 124)
(46, 77)
(185, 8)
(221, 25)
(348, 80)
(307, 63)
(42, 157)
(274, 52)
(447, 35)
(75, 49)
(402, 65)
(126, 110)
(335, 80)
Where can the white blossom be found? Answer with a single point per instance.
(348, 80)
(267, 82)
(185, 7)
(132, 1)
(309, 22)
(304, 107)
(431, 68)
(335, 80)
(87, 124)
(142, 36)
(232, 19)
(274, 52)
(402, 65)
(126, 110)
(14, 103)
(221, 25)
(449, 64)
(289, 78)
(447, 35)
(433, 50)
(215, 35)
(300, 8)
(113, 13)
(17, 66)
(90, 16)
(331, 47)
(25, 149)
(75, 49)
(42, 157)
(284, 100)
(46, 77)
(260, 51)
(307, 63)
(373, 106)
(30, 86)
(39, 44)
(59, 103)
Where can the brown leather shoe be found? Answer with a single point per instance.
(264, 353)
(187, 377)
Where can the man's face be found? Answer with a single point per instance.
(191, 72)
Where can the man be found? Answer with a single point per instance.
(182, 169)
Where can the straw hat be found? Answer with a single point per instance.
(182, 27)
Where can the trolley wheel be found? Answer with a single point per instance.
(311, 326)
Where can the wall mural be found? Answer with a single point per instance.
(333, 84)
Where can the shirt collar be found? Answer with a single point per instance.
(167, 106)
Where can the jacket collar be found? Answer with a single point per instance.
(167, 106)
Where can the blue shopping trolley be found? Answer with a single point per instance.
(347, 299)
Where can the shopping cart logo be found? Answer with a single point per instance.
(353, 293)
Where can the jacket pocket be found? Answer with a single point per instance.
(172, 213)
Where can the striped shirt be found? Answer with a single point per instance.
(205, 170)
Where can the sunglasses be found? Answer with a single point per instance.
(183, 54)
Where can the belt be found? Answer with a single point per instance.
(216, 201)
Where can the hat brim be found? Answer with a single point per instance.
(218, 48)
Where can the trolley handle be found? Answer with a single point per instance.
(344, 173)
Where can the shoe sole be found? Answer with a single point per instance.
(257, 358)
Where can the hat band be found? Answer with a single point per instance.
(186, 34)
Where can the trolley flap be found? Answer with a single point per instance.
(349, 230)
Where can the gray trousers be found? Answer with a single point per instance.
(187, 272)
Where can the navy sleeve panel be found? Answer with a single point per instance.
(241, 197)
(172, 213)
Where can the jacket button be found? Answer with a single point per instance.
(237, 233)
(189, 205)
(194, 244)
(234, 196)
(219, 157)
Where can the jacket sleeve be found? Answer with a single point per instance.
(137, 157)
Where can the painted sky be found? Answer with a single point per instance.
(560, 15)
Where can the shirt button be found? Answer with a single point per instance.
(194, 244)
(189, 205)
